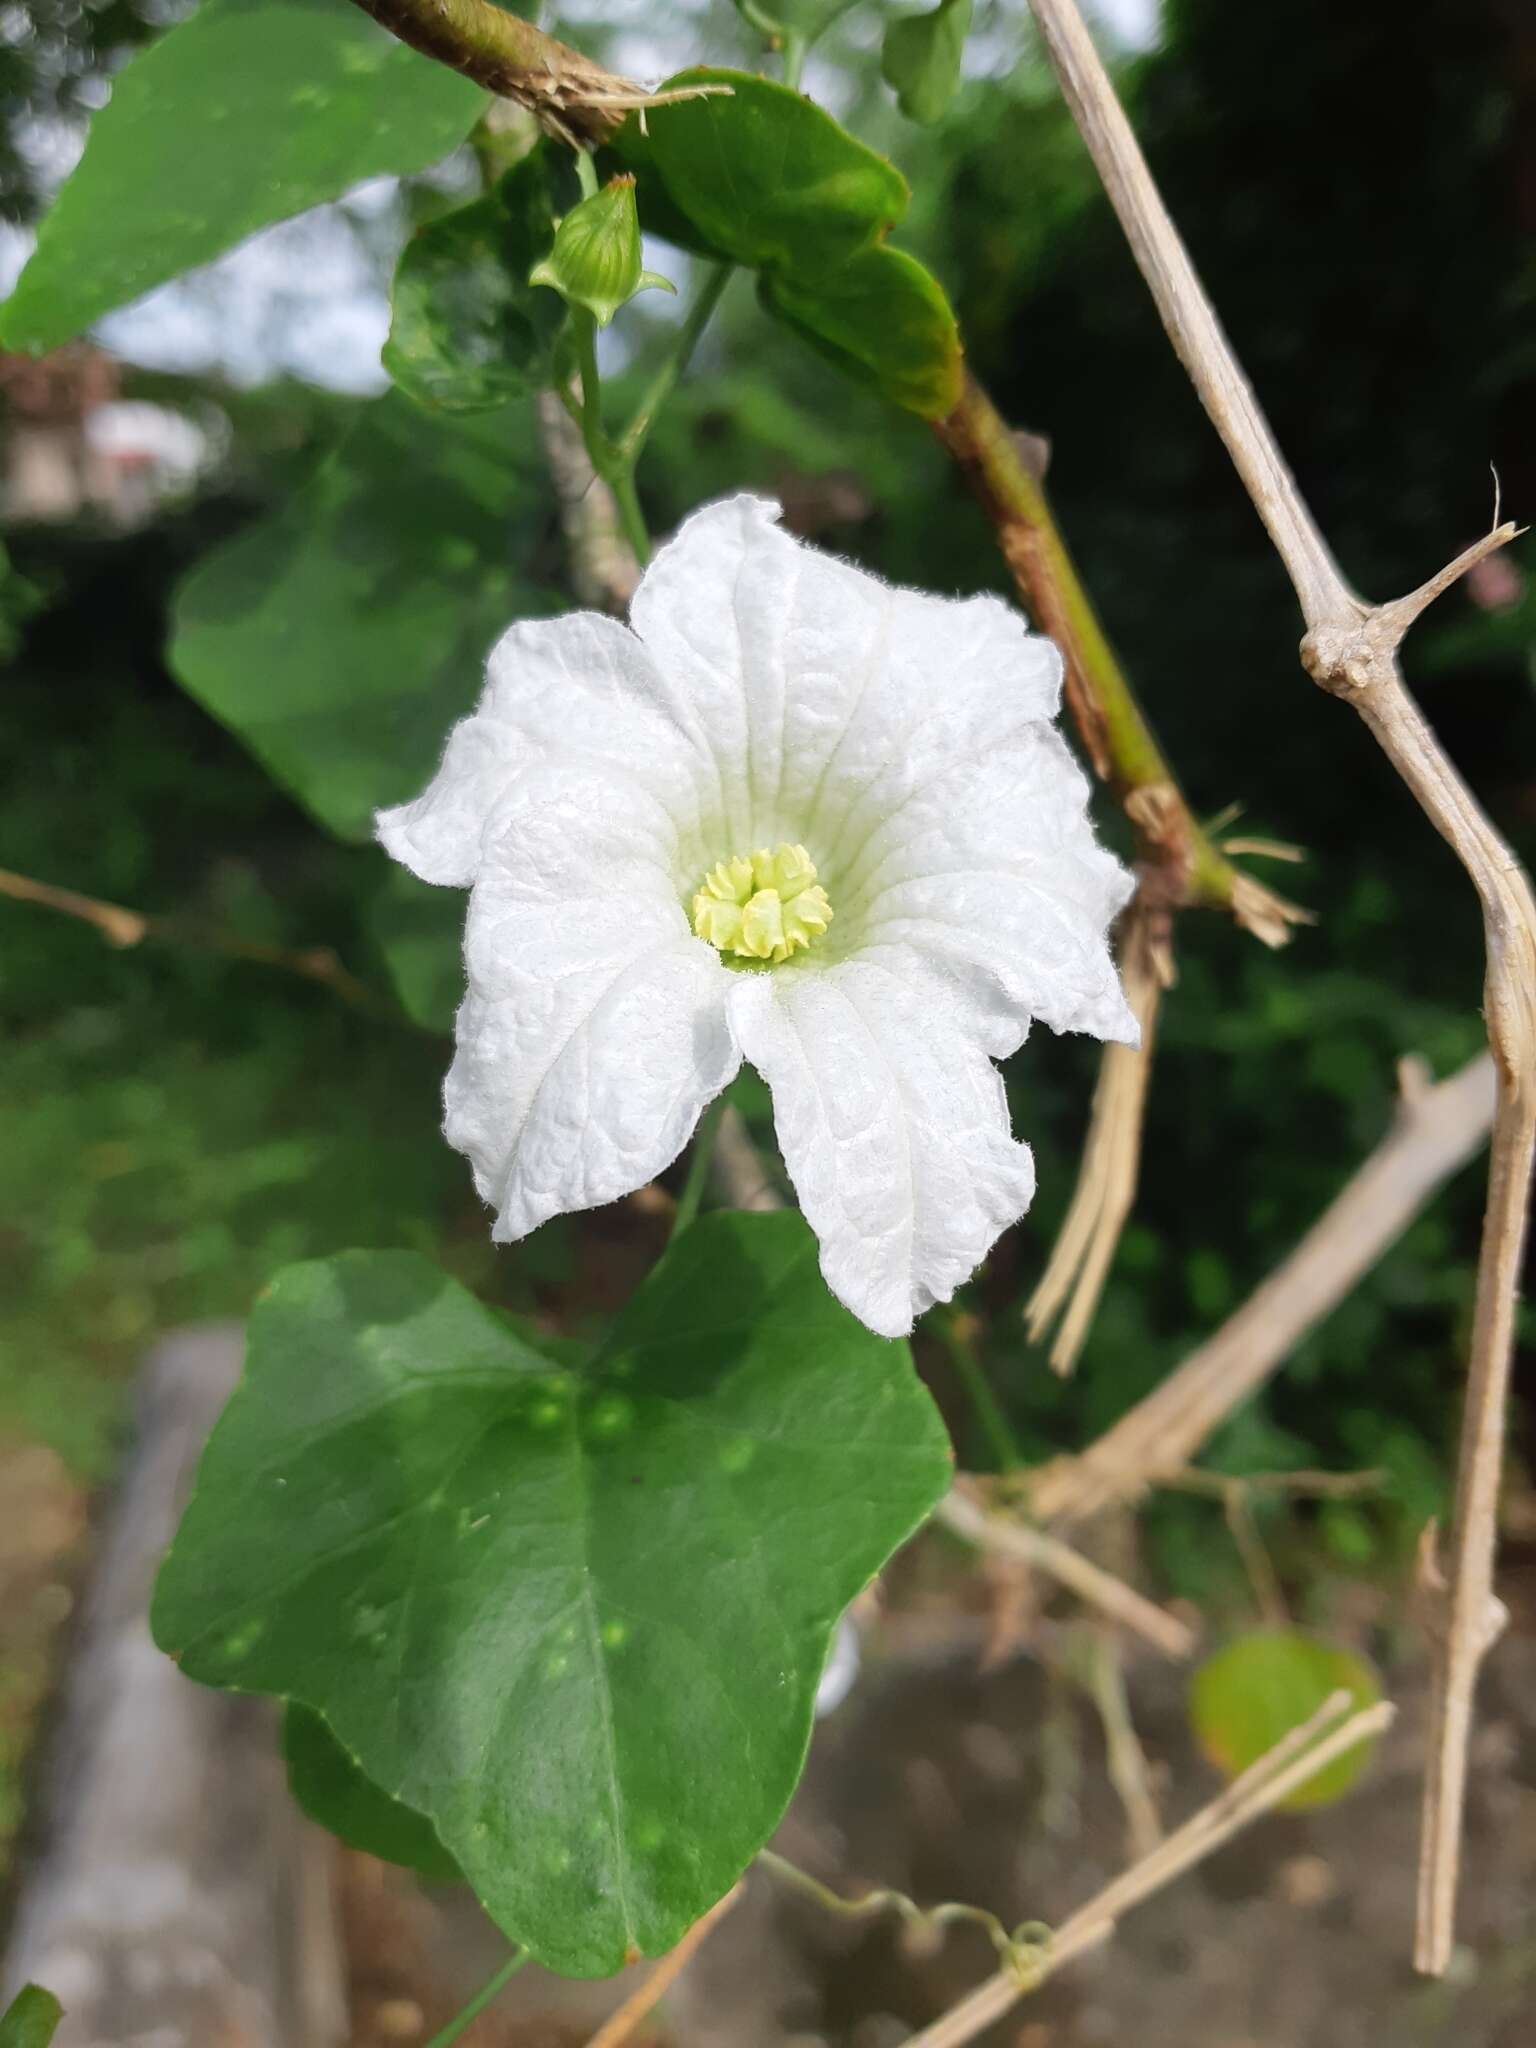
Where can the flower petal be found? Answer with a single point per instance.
(822, 691)
(594, 1031)
(894, 1126)
(989, 875)
(581, 688)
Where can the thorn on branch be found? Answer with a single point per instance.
(1350, 656)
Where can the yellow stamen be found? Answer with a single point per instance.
(762, 906)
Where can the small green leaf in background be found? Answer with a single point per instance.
(31, 2019)
(328, 1784)
(468, 331)
(576, 1617)
(768, 178)
(342, 637)
(246, 113)
(920, 59)
(884, 319)
(1249, 1695)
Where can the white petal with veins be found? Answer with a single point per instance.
(894, 1127)
(594, 1032)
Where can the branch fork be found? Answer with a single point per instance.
(1350, 654)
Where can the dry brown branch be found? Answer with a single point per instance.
(571, 96)
(621, 2024)
(1124, 1757)
(1350, 648)
(1305, 1485)
(1292, 1761)
(1106, 1178)
(123, 928)
(1437, 1128)
(961, 1512)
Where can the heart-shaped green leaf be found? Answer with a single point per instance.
(341, 638)
(31, 2019)
(575, 1617)
(767, 178)
(245, 113)
(1257, 1689)
(468, 331)
(329, 1785)
(920, 59)
(883, 318)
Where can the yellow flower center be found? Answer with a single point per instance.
(762, 906)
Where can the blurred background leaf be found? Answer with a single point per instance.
(312, 91)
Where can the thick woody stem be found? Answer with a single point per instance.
(1350, 648)
(964, 1513)
(572, 96)
(1180, 864)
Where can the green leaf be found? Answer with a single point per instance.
(1257, 1689)
(342, 637)
(630, 150)
(31, 2018)
(247, 112)
(576, 1618)
(920, 59)
(468, 331)
(767, 178)
(884, 319)
(329, 1784)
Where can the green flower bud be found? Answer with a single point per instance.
(595, 261)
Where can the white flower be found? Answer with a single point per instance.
(793, 816)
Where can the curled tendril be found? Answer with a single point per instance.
(1024, 1951)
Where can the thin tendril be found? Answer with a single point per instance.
(1024, 1950)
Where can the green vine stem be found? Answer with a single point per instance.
(1181, 864)
(614, 460)
(468, 2014)
(956, 1332)
(608, 459)
(1024, 1951)
(676, 361)
(700, 1153)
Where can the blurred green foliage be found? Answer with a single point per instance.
(178, 1125)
